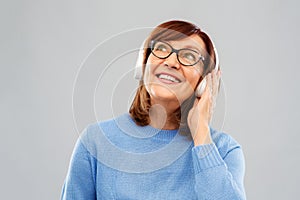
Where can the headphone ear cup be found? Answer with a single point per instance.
(138, 73)
(200, 89)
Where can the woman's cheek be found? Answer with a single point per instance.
(150, 68)
(192, 81)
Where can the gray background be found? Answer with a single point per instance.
(43, 44)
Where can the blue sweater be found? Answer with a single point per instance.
(116, 159)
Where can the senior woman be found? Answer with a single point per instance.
(164, 148)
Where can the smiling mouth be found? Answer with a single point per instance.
(168, 78)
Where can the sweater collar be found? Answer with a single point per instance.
(127, 125)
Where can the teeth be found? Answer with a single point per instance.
(167, 77)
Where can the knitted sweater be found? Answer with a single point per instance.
(116, 159)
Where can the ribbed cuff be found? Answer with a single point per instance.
(206, 156)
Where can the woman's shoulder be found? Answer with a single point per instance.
(97, 136)
(106, 126)
(113, 129)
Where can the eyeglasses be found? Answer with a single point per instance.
(186, 57)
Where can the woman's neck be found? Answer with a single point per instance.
(163, 117)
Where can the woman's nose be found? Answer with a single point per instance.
(172, 61)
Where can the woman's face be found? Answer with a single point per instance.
(167, 79)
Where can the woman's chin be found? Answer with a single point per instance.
(166, 94)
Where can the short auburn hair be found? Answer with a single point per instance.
(170, 31)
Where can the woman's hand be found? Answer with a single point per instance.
(200, 115)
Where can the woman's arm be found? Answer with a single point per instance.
(217, 177)
(79, 183)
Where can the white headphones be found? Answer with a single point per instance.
(138, 73)
(201, 87)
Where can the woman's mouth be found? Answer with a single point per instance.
(168, 78)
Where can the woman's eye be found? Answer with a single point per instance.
(190, 56)
(161, 47)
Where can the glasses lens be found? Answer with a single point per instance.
(161, 49)
(188, 57)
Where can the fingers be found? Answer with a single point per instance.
(216, 75)
(212, 87)
(209, 83)
(196, 102)
(213, 81)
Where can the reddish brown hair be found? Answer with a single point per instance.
(170, 31)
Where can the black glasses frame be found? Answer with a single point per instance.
(173, 50)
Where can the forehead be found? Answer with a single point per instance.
(193, 41)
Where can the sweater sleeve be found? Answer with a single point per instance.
(217, 177)
(79, 183)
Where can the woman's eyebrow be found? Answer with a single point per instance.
(192, 47)
(188, 46)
